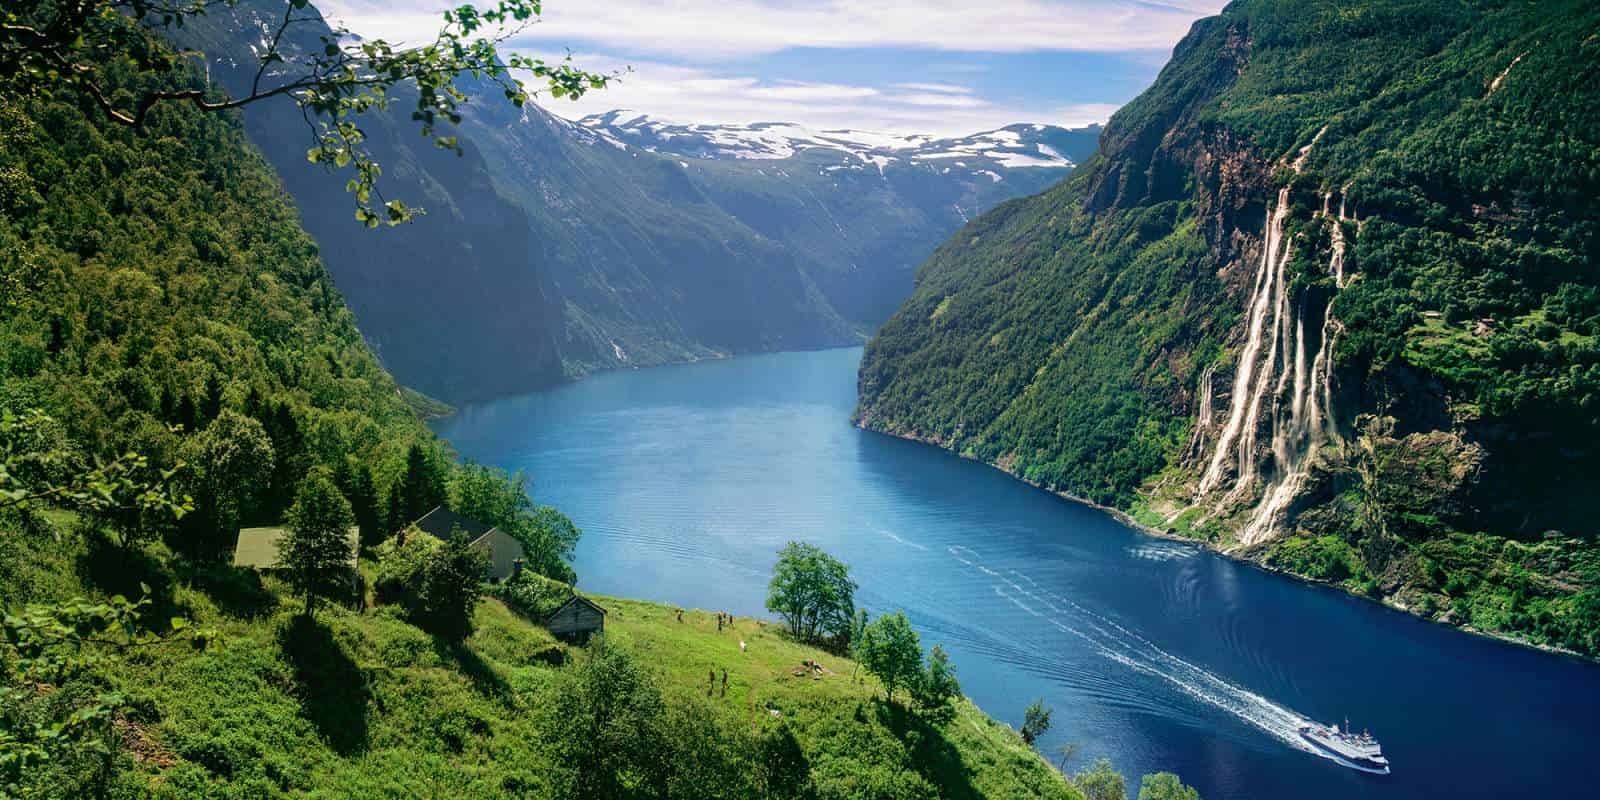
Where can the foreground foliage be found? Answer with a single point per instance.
(163, 307)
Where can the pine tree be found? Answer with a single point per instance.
(395, 509)
(316, 552)
(423, 487)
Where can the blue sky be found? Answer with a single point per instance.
(907, 66)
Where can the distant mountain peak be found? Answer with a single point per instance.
(1018, 145)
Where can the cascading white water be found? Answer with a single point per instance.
(1277, 375)
(1262, 305)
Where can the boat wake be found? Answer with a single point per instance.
(1128, 648)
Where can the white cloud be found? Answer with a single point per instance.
(790, 90)
(679, 49)
(943, 88)
(698, 94)
(707, 30)
(934, 100)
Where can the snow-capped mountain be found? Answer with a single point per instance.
(989, 154)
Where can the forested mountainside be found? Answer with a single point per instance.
(551, 250)
(1327, 298)
(160, 297)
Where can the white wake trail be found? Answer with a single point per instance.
(1121, 645)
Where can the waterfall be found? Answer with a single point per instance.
(1206, 399)
(1262, 305)
(1283, 381)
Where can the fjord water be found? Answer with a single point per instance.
(686, 480)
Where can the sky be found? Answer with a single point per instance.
(942, 67)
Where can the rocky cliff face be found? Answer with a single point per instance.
(1326, 297)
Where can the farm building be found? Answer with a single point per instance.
(259, 548)
(441, 523)
(502, 548)
(578, 618)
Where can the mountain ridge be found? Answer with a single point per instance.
(1025, 144)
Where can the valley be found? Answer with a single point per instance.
(374, 424)
(552, 249)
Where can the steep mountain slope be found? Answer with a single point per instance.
(154, 283)
(1327, 298)
(551, 249)
(454, 303)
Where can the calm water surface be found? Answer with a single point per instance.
(686, 481)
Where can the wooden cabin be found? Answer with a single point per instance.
(577, 619)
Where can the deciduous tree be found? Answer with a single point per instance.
(936, 689)
(1035, 721)
(230, 462)
(812, 591)
(1165, 786)
(548, 537)
(1101, 782)
(452, 585)
(892, 652)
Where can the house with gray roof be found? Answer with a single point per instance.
(503, 549)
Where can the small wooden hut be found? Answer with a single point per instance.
(577, 619)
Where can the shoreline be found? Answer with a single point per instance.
(1128, 520)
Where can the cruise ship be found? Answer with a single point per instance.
(1358, 750)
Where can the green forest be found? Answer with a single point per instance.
(1065, 337)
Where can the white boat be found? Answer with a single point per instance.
(1358, 750)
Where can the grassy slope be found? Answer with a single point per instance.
(367, 705)
(974, 756)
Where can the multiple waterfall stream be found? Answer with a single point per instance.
(1282, 383)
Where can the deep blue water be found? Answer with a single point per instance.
(686, 481)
